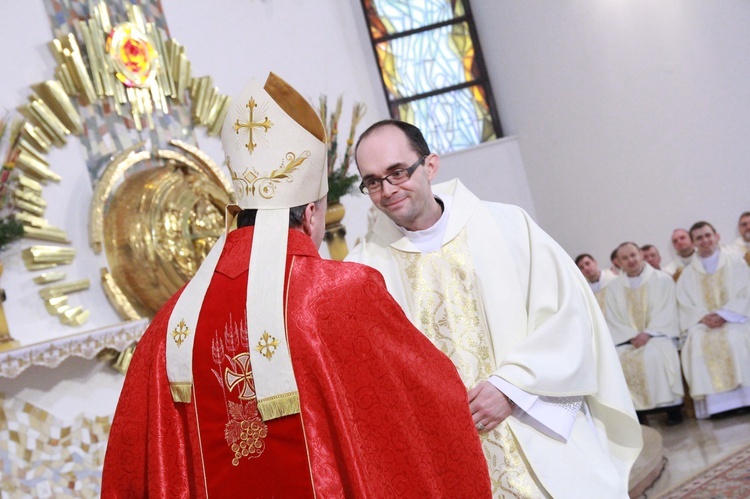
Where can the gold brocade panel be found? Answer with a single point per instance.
(715, 344)
(444, 299)
(638, 307)
(632, 361)
(634, 369)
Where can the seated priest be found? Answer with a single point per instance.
(651, 255)
(713, 294)
(275, 373)
(642, 318)
(685, 250)
(742, 244)
(597, 279)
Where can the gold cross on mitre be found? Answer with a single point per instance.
(251, 125)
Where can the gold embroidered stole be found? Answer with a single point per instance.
(714, 342)
(632, 360)
(601, 299)
(444, 299)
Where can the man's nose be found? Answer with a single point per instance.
(388, 188)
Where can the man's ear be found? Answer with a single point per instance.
(432, 165)
(307, 218)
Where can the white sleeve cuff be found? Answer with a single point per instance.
(730, 316)
(554, 415)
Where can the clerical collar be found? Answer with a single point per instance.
(636, 280)
(431, 239)
(710, 263)
(687, 259)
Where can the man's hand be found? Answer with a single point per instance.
(713, 320)
(489, 406)
(641, 339)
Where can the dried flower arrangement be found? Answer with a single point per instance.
(10, 228)
(340, 181)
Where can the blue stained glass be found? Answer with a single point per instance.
(433, 60)
(450, 121)
(404, 15)
(427, 61)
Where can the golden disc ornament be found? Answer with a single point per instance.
(135, 60)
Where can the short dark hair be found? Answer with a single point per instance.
(246, 218)
(647, 247)
(700, 225)
(582, 256)
(613, 255)
(746, 214)
(412, 133)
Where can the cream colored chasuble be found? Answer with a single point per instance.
(442, 292)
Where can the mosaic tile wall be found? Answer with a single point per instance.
(40, 456)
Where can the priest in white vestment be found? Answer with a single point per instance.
(508, 306)
(742, 244)
(713, 294)
(642, 318)
(685, 250)
(597, 279)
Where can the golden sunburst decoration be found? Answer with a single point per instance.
(134, 68)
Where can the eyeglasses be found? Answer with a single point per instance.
(373, 185)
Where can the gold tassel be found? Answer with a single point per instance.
(182, 392)
(279, 406)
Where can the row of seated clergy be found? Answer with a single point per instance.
(707, 309)
(685, 248)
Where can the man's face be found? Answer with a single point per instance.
(589, 269)
(705, 240)
(379, 154)
(682, 243)
(631, 260)
(652, 256)
(744, 228)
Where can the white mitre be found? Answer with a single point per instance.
(275, 149)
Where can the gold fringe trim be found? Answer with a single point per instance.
(182, 392)
(278, 406)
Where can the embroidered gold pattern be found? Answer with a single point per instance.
(601, 299)
(633, 359)
(716, 348)
(719, 361)
(250, 125)
(243, 375)
(245, 432)
(443, 295)
(714, 289)
(180, 332)
(267, 345)
(251, 181)
(634, 369)
(638, 307)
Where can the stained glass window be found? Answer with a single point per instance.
(432, 70)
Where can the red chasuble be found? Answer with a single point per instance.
(383, 412)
